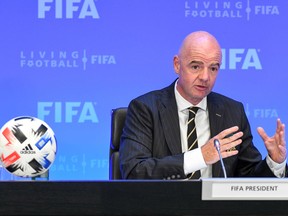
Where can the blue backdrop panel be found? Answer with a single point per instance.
(69, 62)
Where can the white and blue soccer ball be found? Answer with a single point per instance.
(27, 146)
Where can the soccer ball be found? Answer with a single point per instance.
(27, 146)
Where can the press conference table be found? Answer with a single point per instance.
(122, 198)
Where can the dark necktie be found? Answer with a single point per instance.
(192, 137)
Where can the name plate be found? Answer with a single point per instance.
(245, 189)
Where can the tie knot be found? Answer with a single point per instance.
(193, 110)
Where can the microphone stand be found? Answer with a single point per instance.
(217, 146)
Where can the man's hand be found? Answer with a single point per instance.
(228, 138)
(275, 145)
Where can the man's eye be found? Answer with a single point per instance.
(214, 69)
(195, 67)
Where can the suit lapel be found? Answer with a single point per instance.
(170, 120)
(216, 114)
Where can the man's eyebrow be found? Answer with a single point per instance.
(215, 64)
(202, 63)
(196, 62)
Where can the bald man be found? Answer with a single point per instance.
(154, 140)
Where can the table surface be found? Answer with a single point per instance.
(122, 198)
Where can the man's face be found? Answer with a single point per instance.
(197, 67)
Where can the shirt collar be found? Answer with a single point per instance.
(183, 104)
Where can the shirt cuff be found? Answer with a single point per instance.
(193, 161)
(276, 168)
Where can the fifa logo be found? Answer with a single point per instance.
(266, 10)
(240, 58)
(68, 112)
(67, 9)
(262, 113)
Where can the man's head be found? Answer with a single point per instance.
(197, 65)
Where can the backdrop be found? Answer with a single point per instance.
(69, 62)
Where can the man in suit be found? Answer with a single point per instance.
(154, 140)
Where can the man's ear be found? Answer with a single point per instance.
(176, 64)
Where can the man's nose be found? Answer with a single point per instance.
(204, 75)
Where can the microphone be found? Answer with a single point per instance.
(217, 146)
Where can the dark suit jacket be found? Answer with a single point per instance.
(150, 146)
